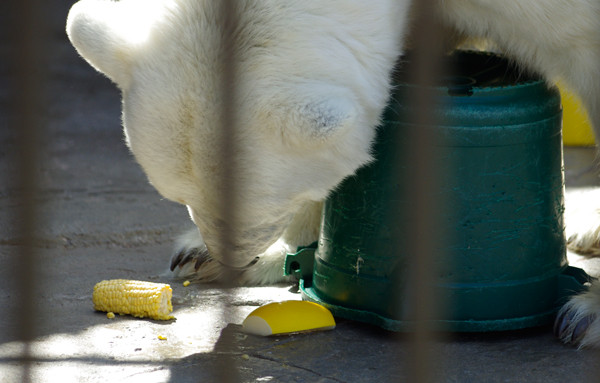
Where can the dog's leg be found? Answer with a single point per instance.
(192, 259)
(302, 230)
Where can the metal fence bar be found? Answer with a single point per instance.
(26, 75)
(227, 371)
(424, 69)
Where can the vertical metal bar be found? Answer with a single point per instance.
(26, 29)
(227, 139)
(425, 68)
(227, 368)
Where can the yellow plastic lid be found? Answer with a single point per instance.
(288, 317)
(577, 129)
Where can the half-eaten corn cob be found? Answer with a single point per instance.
(138, 298)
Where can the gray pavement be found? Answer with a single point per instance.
(99, 219)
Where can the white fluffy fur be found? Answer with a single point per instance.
(557, 38)
(313, 79)
(583, 222)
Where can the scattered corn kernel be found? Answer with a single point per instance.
(110, 315)
(186, 283)
(162, 337)
(138, 298)
(245, 356)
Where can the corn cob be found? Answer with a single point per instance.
(138, 298)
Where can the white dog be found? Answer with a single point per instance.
(312, 79)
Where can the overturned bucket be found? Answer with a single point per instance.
(502, 262)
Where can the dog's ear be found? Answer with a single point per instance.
(108, 34)
(321, 113)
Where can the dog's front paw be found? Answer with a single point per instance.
(578, 322)
(191, 259)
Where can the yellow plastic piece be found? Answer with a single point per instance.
(138, 298)
(162, 337)
(288, 317)
(577, 129)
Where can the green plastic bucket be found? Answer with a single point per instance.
(502, 264)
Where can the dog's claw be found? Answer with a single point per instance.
(202, 256)
(561, 323)
(571, 329)
(198, 256)
(176, 259)
(581, 328)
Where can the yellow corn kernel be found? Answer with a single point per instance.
(162, 337)
(110, 315)
(186, 283)
(138, 298)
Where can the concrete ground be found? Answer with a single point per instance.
(101, 219)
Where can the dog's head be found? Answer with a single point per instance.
(311, 79)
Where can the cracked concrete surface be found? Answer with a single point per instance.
(99, 219)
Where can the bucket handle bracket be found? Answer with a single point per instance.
(300, 264)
